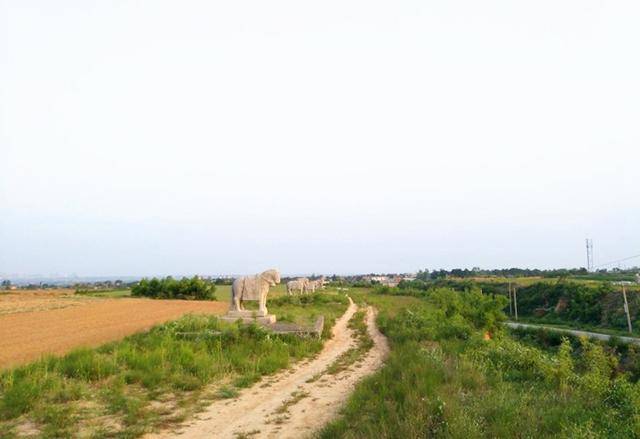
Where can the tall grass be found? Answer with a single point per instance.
(440, 382)
(123, 388)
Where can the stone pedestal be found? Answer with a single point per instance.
(261, 318)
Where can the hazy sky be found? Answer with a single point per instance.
(155, 137)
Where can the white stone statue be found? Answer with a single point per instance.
(297, 286)
(252, 288)
(314, 285)
(311, 286)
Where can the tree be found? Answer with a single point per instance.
(169, 288)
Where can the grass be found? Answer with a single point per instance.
(296, 397)
(444, 379)
(363, 344)
(151, 379)
(114, 294)
(305, 309)
(227, 392)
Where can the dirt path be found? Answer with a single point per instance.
(296, 402)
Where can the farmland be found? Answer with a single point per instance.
(38, 300)
(44, 322)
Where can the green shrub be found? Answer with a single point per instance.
(193, 288)
(19, 397)
(86, 364)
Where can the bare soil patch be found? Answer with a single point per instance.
(55, 324)
(39, 300)
(296, 402)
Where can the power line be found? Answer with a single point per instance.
(618, 260)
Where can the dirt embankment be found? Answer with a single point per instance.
(27, 335)
(296, 402)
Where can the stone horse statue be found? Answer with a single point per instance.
(299, 285)
(253, 288)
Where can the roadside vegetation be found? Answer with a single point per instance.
(454, 371)
(153, 379)
(305, 309)
(193, 288)
(590, 305)
(626, 356)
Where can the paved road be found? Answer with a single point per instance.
(576, 332)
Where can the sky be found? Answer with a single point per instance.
(161, 137)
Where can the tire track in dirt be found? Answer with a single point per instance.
(296, 402)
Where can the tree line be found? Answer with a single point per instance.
(602, 274)
(193, 288)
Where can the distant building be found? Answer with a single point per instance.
(392, 281)
(380, 279)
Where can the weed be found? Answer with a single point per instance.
(295, 398)
(19, 397)
(246, 435)
(363, 345)
(227, 392)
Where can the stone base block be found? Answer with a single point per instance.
(246, 313)
(249, 317)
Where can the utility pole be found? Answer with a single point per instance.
(510, 300)
(590, 262)
(515, 301)
(626, 308)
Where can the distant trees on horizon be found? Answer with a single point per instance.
(426, 275)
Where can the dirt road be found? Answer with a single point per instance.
(576, 332)
(296, 402)
(25, 336)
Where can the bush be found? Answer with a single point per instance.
(584, 302)
(169, 288)
(483, 311)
